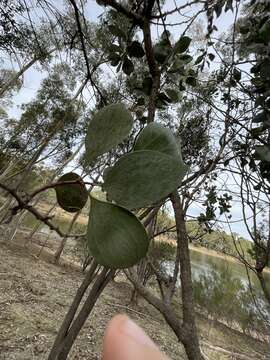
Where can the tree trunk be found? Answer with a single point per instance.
(20, 73)
(265, 288)
(190, 341)
(70, 330)
(64, 239)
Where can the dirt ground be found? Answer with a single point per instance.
(35, 295)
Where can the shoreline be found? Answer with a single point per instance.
(216, 254)
(210, 252)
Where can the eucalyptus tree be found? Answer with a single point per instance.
(32, 36)
(18, 41)
(46, 130)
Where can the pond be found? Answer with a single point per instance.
(222, 288)
(203, 263)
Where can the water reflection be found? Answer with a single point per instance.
(222, 290)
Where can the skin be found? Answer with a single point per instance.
(124, 340)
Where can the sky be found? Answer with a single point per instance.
(33, 78)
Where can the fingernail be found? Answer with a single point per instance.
(132, 330)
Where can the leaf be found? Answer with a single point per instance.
(116, 31)
(173, 95)
(141, 101)
(190, 80)
(147, 85)
(115, 48)
(237, 74)
(161, 52)
(165, 35)
(265, 69)
(163, 98)
(265, 31)
(262, 152)
(181, 86)
(114, 59)
(71, 197)
(186, 58)
(244, 29)
(182, 44)
(199, 59)
(229, 5)
(218, 8)
(135, 49)
(115, 236)
(255, 132)
(107, 128)
(127, 66)
(260, 117)
(142, 178)
(156, 137)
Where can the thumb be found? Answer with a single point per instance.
(124, 340)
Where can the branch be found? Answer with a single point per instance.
(177, 9)
(81, 35)
(123, 10)
(24, 204)
(165, 310)
(153, 68)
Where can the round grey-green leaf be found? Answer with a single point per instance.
(107, 128)
(71, 197)
(156, 137)
(115, 237)
(142, 178)
(182, 44)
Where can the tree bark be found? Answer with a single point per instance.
(265, 289)
(190, 340)
(72, 310)
(63, 347)
(64, 239)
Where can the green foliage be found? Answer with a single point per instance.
(51, 116)
(142, 178)
(71, 197)
(265, 31)
(173, 95)
(117, 31)
(138, 179)
(132, 181)
(262, 152)
(214, 202)
(135, 49)
(254, 28)
(158, 138)
(217, 240)
(115, 237)
(160, 252)
(182, 44)
(225, 298)
(162, 51)
(107, 128)
(164, 221)
(127, 66)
